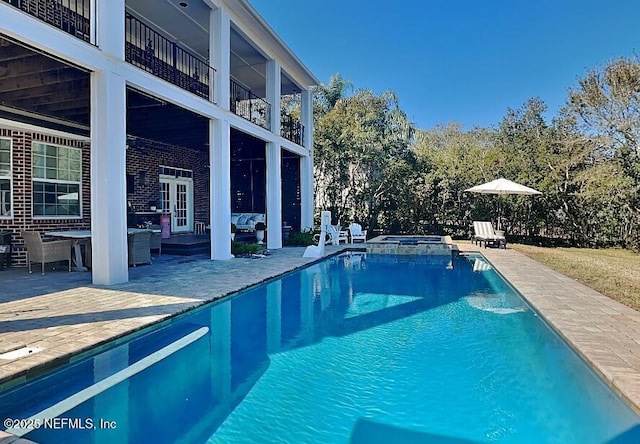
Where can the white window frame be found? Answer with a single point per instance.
(55, 181)
(10, 178)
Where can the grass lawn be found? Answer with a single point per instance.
(613, 272)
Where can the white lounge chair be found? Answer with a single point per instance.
(357, 233)
(484, 232)
(332, 236)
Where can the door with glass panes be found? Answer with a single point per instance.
(176, 197)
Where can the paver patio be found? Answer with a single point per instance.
(64, 314)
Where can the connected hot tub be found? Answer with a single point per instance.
(425, 244)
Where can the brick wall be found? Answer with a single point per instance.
(22, 197)
(146, 156)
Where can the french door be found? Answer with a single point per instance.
(176, 197)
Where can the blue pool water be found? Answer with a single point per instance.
(354, 349)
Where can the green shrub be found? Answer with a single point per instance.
(302, 239)
(260, 226)
(240, 248)
(234, 228)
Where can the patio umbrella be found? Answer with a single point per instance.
(502, 186)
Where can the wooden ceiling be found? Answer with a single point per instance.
(39, 89)
(155, 119)
(35, 83)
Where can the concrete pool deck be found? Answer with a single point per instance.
(64, 314)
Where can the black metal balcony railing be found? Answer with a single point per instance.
(72, 16)
(153, 52)
(247, 105)
(292, 129)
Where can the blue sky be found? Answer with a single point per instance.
(465, 61)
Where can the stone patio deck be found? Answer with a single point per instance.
(605, 332)
(65, 315)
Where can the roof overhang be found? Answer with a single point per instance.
(245, 17)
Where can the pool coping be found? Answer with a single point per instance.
(603, 331)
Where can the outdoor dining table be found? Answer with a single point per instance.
(79, 235)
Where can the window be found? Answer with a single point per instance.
(57, 179)
(5, 178)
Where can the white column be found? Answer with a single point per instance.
(273, 93)
(108, 183)
(274, 195)
(306, 192)
(220, 47)
(306, 162)
(274, 159)
(110, 27)
(306, 117)
(220, 189)
(93, 7)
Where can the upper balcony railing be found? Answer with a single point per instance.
(292, 129)
(153, 52)
(247, 105)
(72, 16)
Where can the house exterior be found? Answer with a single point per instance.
(110, 108)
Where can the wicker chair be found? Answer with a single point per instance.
(45, 252)
(155, 243)
(139, 248)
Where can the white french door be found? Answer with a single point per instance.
(176, 197)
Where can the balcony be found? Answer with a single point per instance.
(71, 16)
(153, 52)
(291, 129)
(247, 105)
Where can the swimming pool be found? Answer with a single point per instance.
(353, 349)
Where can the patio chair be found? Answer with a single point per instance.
(155, 242)
(46, 252)
(139, 248)
(484, 232)
(199, 227)
(331, 237)
(357, 233)
(343, 235)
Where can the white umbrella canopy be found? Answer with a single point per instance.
(502, 186)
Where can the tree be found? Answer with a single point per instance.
(607, 103)
(326, 96)
(361, 148)
(451, 160)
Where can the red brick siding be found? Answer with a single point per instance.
(144, 157)
(147, 158)
(22, 197)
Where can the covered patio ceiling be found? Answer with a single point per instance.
(38, 89)
(187, 23)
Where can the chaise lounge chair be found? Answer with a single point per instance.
(484, 232)
(332, 236)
